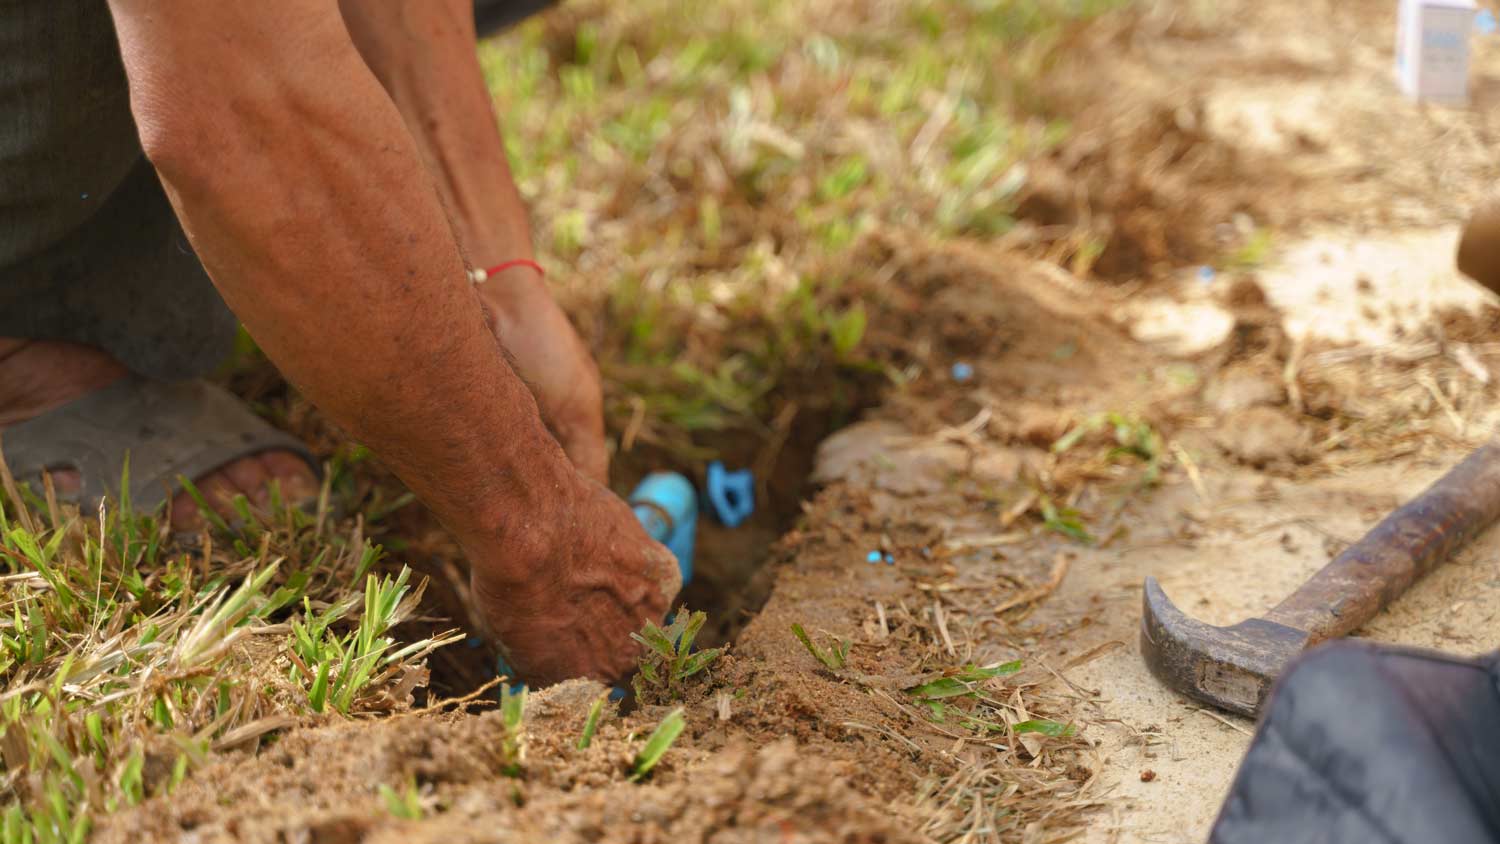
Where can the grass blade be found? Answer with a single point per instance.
(591, 724)
(656, 746)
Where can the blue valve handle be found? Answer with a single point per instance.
(732, 494)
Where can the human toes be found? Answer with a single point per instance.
(248, 476)
(296, 480)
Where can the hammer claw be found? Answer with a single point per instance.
(1228, 667)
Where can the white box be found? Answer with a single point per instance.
(1432, 49)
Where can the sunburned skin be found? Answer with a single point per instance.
(422, 51)
(312, 205)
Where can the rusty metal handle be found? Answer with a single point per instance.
(1407, 544)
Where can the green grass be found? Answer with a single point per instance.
(513, 720)
(1252, 254)
(960, 683)
(1119, 438)
(344, 666)
(704, 180)
(657, 744)
(591, 722)
(669, 658)
(116, 642)
(962, 692)
(405, 804)
(834, 659)
(1066, 521)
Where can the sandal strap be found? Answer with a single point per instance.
(186, 428)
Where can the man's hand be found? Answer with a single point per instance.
(548, 354)
(596, 578)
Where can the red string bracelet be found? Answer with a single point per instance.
(478, 276)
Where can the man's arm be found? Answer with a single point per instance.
(422, 51)
(307, 201)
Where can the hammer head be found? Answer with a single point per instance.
(1231, 668)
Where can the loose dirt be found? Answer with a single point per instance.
(1225, 432)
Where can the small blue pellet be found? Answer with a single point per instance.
(962, 372)
(873, 557)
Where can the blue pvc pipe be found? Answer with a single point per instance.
(667, 506)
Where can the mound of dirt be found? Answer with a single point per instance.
(778, 743)
(1143, 184)
(322, 785)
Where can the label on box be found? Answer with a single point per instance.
(1432, 49)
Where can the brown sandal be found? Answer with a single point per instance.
(184, 429)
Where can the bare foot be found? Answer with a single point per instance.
(39, 375)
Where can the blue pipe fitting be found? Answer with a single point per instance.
(732, 494)
(667, 506)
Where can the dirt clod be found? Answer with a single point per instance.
(1264, 437)
(1239, 388)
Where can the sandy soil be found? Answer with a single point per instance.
(1299, 398)
(1384, 184)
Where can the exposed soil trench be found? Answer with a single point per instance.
(775, 740)
(948, 477)
(731, 581)
(731, 578)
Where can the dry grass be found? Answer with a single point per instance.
(128, 657)
(1007, 756)
(701, 181)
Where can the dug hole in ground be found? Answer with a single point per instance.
(1227, 432)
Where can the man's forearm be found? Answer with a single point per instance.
(423, 53)
(306, 199)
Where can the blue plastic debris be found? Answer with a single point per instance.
(962, 372)
(1485, 22)
(889, 560)
(873, 557)
(667, 506)
(1206, 274)
(732, 494)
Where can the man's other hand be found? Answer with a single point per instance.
(551, 358)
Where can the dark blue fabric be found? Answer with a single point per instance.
(491, 16)
(1362, 743)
